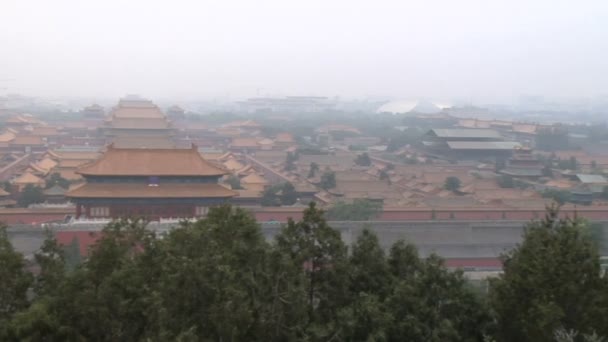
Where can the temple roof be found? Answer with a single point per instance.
(55, 190)
(137, 111)
(140, 123)
(254, 179)
(28, 178)
(74, 155)
(142, 190)
(45, 131)
(27, 140)
(7, 136)
(150, 162)
(139, 141)
(46, 163)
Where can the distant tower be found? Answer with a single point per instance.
(176, 113)
(93, 111)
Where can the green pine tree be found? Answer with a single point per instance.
(551, 281)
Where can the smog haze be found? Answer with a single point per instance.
(484, 50)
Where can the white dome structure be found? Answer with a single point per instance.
(411, 106)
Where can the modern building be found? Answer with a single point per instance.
(150, 183)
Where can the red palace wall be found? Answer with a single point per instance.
(37, 216)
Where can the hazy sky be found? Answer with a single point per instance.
(482, 49)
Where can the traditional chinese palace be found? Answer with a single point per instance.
(151, 183)
(136, 122)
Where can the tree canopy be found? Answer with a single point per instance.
(363, 160)
(452, 183)
(30, 194)
(234, 182)
(328, 180)
(56, 179)
(506, 181)
(280, 194)
(290, 161)
(220, 279)
(314, 168)
(551, 281)
(358, 210)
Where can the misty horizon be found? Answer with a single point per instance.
(432, 50)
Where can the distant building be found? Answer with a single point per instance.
(468, 143)
(523, 164)
(27, 179)
(593, 183)
(93, 111)
(5, 199)
(289, 104)
(55, 194)
(150, 183)
(138, 123)
(176, 113)
(411, 106)
(468, 112)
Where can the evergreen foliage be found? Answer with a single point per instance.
(56, 179)
(314, 168)
(219, 279)
(280, 194)
(234, 182)
(290, 161)
(358, 210)
(452, 183)
(31, 195)
(328, 180)
(551, 281)
(363, 160)
(506, 181)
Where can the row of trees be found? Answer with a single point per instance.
(218, 279)
(359, 210)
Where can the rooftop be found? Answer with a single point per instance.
(591, 179)
(483, 145)
(254, 178)
(150, 162)
(46, 163)
(72, 163)
(143, 142)
(45, 131)
(28, 178)
(137, 110)
(284, 138)
(55, 190)
(466, 133)
(134, 190)
(244, 142)
(27, 140)
(7, 136)
(140, 123)
(74, 155)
